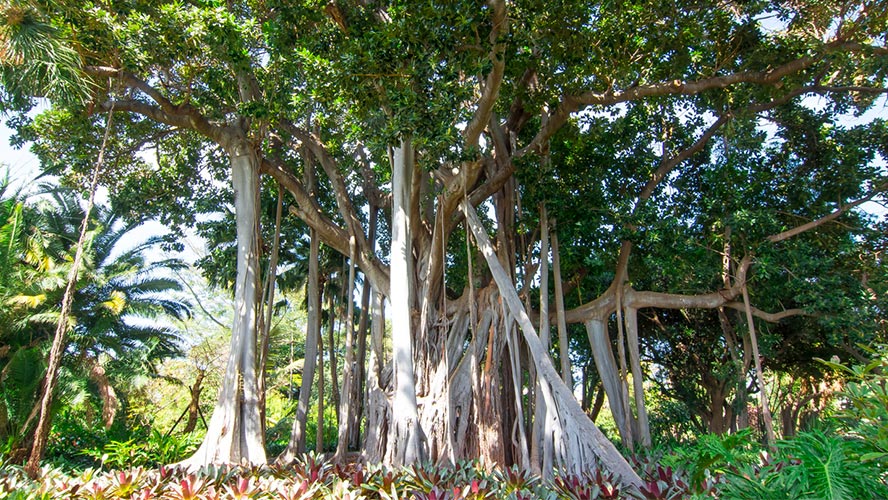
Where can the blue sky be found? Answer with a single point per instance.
(23, 166)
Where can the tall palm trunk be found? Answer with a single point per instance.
(41, 433)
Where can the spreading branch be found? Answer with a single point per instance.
(494, 78)
(573, 103)
(163, 111)
(789, 233)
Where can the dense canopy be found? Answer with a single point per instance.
(697, 170)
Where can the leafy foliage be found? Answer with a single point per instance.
(146, 448)
(865, 403)
(312, 478)
(116, 326)
(812, 465)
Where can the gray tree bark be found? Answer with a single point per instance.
(643, 436)
(580, 440)
(563, 346)
(406, 438)
(235, 429)
(296, 446)
(346, 403)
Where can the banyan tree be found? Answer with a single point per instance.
(447, 150)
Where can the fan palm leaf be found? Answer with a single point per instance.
(35, 58)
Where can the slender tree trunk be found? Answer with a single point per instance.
(106, 391)
(545, 338)
(541, 439)
(406, 438)
(346, 403)
(194, 402)
(644, 430)
(359, 388)
(331, 352)
(763, 390)
(610, 376)
(624, 372)
(296, 446)
(519, 433)
(378, 416)
(268, 304)
(235, 429)
(41, 433)
(563, 345)
(599, 402)
(319, 430)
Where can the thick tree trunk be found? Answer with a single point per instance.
(235, 434)
(599, 340)
(718, 419)
(406, 438)
(580, 440)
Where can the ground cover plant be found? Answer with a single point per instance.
(309, 478)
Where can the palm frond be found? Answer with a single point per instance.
(21, 382)
(35, 60)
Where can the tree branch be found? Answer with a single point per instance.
(606, 303)
(769, 317)
(182, 115)
(331, 168)
(494, 78)
(336, 237)
(573, 103)
(789, 233)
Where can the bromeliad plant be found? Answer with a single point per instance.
(312, 478)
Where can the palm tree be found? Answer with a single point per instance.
(35, 57)
(119, 298)
(118, 306)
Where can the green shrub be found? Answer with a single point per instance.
(865, 409)
(811, 465)
(712, 456)
(154, 449)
